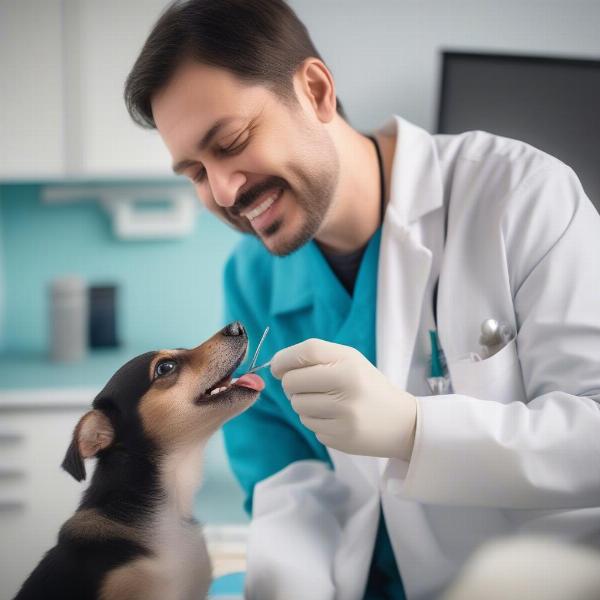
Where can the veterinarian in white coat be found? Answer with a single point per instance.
(250, 115)
(515, 446)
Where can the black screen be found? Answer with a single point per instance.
(550, 103)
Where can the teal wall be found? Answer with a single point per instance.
(169, 291)
(2, 288)
(170, 296)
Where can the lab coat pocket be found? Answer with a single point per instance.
(497, 378)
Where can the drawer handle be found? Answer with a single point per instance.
(10, 435)
(7, 472)
(9, 504)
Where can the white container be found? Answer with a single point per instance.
(68, 319)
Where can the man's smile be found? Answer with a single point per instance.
(264, 202)
(262, 213)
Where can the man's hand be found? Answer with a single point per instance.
(345, 400)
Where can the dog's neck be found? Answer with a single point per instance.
(181, 474)
(125, 487)
(131, 488)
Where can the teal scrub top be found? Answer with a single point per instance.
(299, 297)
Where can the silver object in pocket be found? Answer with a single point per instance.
(494, 336)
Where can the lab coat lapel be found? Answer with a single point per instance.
(404, 261)
(404, 267)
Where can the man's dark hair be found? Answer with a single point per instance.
(260, 41)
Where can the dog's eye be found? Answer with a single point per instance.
(164, 367)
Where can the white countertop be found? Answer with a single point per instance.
(50, 398)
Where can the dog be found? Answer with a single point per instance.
(133, 535)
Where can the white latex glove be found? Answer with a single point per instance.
(345, 400)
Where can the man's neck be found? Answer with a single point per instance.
(355, 213)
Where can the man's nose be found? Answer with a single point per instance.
(225, 186)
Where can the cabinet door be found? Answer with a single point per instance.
(106, 38)
(31, 89)
(36, 495)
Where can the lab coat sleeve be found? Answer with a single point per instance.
(291, 491)
(540, 451)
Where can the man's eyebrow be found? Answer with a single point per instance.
(204, 142)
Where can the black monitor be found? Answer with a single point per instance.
(550, 103)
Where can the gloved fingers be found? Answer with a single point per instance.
(309, 352)
(321, 426)
(332, 441)
(317, 406)
(313, 379)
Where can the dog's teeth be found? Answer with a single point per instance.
(217, 390)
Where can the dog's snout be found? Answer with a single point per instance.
(234, 329)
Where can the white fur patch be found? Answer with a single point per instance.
(178, 543)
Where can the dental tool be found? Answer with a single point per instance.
(254, 369)
(262, 339)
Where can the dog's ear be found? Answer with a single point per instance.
(93, 433)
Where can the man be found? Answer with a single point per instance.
(361, 482)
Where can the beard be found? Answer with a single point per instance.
(313, 195)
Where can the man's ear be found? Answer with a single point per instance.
(317, 85)
(93, 433)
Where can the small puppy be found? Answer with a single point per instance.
(133, 535)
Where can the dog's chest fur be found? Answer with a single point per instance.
(179, 565)
(177, 569)
(182, 556)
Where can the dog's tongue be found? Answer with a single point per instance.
(252, 381)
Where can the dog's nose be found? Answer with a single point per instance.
(235, 328)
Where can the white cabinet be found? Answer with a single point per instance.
(36, 495)
(63, 65)
(106, 38)
(31, 89)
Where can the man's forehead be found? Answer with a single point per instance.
(209, 92)
(197, 99)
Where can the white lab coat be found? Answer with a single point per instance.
(516, 446)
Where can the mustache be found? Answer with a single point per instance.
(249, 196)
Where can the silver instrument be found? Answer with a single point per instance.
(494, 336)
(254, 368)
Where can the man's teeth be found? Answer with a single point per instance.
(260, 209)
(217, 390)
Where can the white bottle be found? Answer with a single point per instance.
(68, 319)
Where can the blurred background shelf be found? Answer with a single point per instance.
(27, 370)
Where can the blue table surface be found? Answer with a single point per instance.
(227, 586)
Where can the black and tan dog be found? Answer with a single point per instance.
(133, 535)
